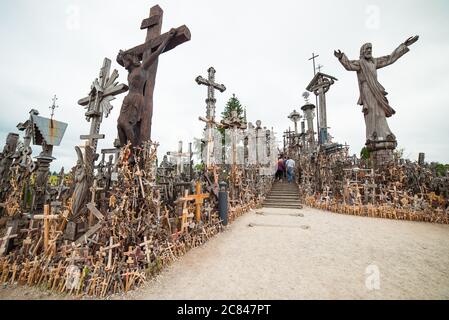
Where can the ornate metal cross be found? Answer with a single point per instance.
(211, 87)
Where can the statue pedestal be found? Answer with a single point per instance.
(381, 151)
(381, 157)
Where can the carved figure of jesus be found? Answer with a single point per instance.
(129, 120)
(376, 107)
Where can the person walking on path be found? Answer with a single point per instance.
(280, 169)
(284, 159)
(290, 164)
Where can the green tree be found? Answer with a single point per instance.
(234, 104)
(441, 169)
(365, 154)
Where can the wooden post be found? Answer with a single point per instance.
(46, 226)
(5, 240)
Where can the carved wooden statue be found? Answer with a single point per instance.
(6, 159)
(376, 107)
(130, 117)
(134, 123)
(82, 180)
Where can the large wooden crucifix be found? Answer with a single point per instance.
(135, 119)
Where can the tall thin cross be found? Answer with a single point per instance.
(98, 103)
(210, 111)
(211, 87)
(53, 107)
(153, 40)
(313, 58)
(316, 98)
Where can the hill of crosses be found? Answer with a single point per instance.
(121, 215)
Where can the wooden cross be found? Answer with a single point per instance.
(5, 240)
(128, 254)
(146, 243)
(110, 247)
(157, 202)
(112, 170)
(209, 210)
(98, 103)
(139, 174)
(199, 200)
(179, 158)
(29, 231)
(185, 212)
(93, 210)
(46, 217)
(96, 227)
(153, 40)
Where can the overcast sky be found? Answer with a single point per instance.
(260, 50)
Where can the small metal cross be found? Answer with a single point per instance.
(53, 107)
(313, 58)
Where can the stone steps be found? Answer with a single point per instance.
(283, 195)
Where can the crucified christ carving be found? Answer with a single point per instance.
(130, 117)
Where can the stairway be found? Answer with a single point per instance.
(283, 195)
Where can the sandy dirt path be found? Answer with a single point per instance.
(317, 256)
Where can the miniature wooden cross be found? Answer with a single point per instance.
(199, 200)
(95, 228)
(185, 211)
(209, 209)
(102, 92)
(4, 241)
(116, 153)
(146, 243)
(129, 253)
(46, 217)
(93, 210)
(110, 247)
(139, 174)
(30, 230)
(153, 40)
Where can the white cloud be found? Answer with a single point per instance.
(259, 49)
